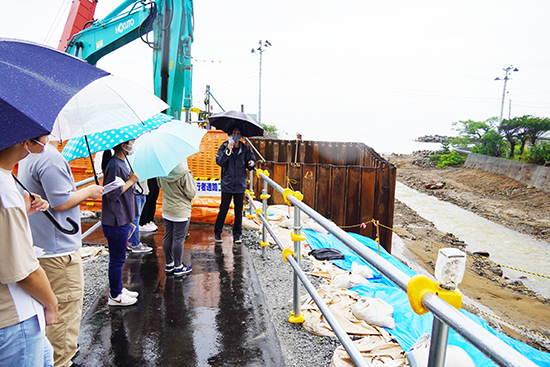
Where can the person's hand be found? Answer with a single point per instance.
(134, 178)
(95, 191)
(251, 163)
(50, 313)
(230, 145)
(35, 206)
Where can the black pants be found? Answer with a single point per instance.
(238, 200)
(148, 212)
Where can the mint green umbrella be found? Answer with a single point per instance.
(159, 151)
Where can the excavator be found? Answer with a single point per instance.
(171, 22)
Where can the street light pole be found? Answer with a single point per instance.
(507, 72)
(261, 51)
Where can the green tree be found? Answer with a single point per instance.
(271, 128)
(535, 127)
(474, 130)
(491, 144)
(510, 129)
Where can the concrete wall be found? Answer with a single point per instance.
(530, 174)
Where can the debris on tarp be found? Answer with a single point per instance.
(377, 350)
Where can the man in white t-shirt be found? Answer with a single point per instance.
(49, 175)
(27, 302)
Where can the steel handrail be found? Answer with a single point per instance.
(490, 345)
(85, 182)
(338, 330)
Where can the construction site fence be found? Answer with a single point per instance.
(348, 183)
(445, 315)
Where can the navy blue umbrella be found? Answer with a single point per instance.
(36, 82)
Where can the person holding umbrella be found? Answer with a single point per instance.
(26, 298)
(234, 158)
(50, 176)
(118, 209)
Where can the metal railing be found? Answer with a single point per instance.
(445, 315)
(84, 183)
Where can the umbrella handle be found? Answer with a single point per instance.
(138, 192)
(135, 192)
(50, 217)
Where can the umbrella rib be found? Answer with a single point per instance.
(129, 107)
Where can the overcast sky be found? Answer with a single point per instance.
(377, 72)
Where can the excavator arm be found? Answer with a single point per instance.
(172, 24)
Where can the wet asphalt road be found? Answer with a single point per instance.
(211, 317)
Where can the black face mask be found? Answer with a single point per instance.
(236, 138)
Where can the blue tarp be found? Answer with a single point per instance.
(410, 326)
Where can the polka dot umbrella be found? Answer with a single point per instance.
(87, 145)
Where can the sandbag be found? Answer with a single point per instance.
(419, 353)
(362, 270)
(374, 311)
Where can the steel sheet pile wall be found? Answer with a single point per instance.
(348, 183)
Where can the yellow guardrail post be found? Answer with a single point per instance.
(296, 316)
(417, 288)
(264, 196)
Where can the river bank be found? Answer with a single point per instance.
(499, 199)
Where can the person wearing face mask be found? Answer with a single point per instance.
(118, 209)
(49, 175)
(27, 301)
(234, 158)
(134, 244)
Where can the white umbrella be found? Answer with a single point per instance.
(108, 103)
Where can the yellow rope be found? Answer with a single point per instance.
(506, 322)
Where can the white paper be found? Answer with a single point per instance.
(113, 185)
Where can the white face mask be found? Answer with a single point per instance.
(45, 146)
(132, 149)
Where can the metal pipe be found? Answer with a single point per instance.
(297, 255)
(264, 210)
(338, 330)
(438, 343)
(91, 230)
(254, 149)
(486, 342)
(87, 181)
(344, 338)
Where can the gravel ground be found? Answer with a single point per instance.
(95, 279)
(299, 347)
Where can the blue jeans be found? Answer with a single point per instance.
(134, 238)
(24, 345)
(117, 237)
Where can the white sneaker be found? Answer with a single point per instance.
(121, 300)
(149, 227)
(141, 248)
(128, 293)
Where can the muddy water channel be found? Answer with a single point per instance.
(504, 245)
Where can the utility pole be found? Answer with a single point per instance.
(261, 51)
(507, 72)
